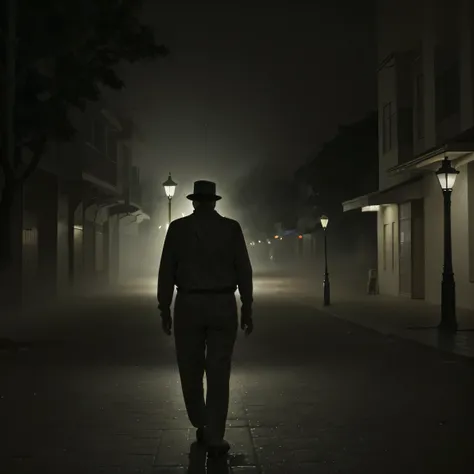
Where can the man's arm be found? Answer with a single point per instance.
(243, 268)
(167, 272)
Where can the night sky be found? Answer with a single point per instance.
(248, 83)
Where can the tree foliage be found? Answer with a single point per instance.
(67, 51)
(345, 167)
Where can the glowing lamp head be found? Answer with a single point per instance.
(447, 175)
(300, 236)
(324, 222)
(170, 187)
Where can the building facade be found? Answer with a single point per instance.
(426, 114)
(81, 210)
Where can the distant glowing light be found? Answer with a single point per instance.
(373, 208)
(300, 236)
(277, 236)
(324, 221)
(281, 238)
(259, 241)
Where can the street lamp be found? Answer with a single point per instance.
(447, 177)
(326, 284)
(170, 187)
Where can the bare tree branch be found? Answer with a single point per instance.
(38, 151)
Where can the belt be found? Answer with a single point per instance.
(208, 291)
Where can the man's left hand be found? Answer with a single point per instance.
(166, 322)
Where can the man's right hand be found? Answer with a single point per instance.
(246, 321)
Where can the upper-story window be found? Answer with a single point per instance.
(448, 82)
(99, 136)
(448, 92)
(420, 106)
(112, 149)
(104, 139)
(388, 127)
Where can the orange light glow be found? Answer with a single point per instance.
(276, 236)
(300, 236)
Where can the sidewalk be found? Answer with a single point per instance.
(414, 320)
(410, 319)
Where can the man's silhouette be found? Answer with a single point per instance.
(206, 258)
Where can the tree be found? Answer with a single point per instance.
(345, 167)
(66, 53)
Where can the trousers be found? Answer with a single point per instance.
(205, 330)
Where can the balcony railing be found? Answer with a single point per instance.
(98, 165)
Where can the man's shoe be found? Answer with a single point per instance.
(219, 449)
(200, 435)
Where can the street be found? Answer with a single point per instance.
(97, 390)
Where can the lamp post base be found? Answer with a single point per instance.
(326, 291)
(446, 327)
(448, 304)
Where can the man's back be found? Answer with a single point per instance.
(205, 251)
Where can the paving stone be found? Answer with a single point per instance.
(174, 448)
(245, 470)
(242, 446)
(310, 394)
(237, 423)
(144, 446)
(170, 470)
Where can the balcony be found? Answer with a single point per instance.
(135, 188)
(98, 165)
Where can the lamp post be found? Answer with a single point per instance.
(326, 284)
(170, 187)
(447, 177)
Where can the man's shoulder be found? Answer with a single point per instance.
(178, 224)
(232, 223)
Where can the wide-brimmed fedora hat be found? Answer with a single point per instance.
(204, 191)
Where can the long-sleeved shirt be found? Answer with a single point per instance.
(204, 251)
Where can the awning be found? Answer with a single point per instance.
(460, 150)
(119, 206)
(130, 209)
(398, 194)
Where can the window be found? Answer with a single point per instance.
(470, 221)
(389, 246)
(388, 126)
(112, 145)
(385, 245)
(448, 91)
(99, 136)
(420, 106)
(392, 243)
(126, 165)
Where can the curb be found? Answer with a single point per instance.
(398, 335)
